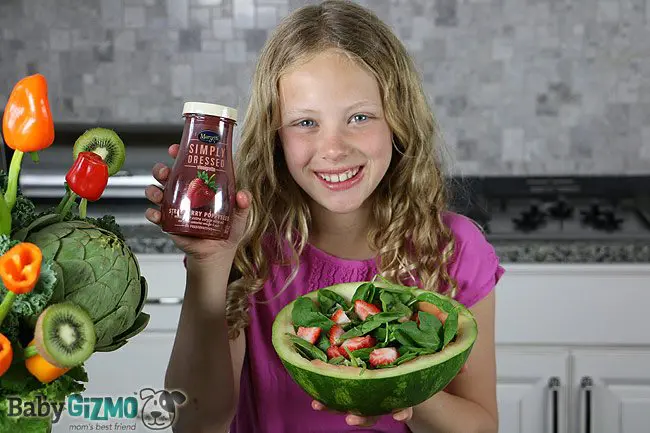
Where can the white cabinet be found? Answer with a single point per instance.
(555, 390)
(530, 390)
(573, 355)
(614, 388)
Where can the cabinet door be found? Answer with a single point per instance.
(531, 390)
(612, 391)
(123, 373)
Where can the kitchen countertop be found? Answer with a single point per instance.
(149, 239)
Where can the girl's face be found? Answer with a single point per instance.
(336, 142)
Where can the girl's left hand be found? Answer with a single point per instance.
(402, 415)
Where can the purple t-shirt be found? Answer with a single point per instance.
(270, 402)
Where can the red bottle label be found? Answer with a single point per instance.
(200, 197)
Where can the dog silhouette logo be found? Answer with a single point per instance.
(159, 408)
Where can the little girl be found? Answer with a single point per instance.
(339, 180)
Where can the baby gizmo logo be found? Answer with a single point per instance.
(157, 409)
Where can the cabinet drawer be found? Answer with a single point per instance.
(165, 274)
(590, 304)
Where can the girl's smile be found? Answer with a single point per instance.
(339, 180)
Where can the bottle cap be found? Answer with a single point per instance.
(210, 110)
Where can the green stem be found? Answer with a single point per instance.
(68, 204)
(5, 307)
(35, 157)
(64, 200)
(83, 206)
(12, 181)
(30, 351)
(5, 217)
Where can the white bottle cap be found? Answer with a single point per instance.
(210, 110)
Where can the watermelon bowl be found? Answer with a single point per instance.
(372, 347)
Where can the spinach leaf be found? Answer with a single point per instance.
(380, 334)
(405, 293)
(337, 361)
(329, 300)
(425, 336)
(429, 322)
(363, 354)
(356, 361)
(450, 327)
(392, 302)
(408, 334)
(404, 311)
(307, 349)
(387, 300)
(365, 292)
(371, 323)
(431, 298)
(406, 298)
(406, 357)
(323, 342)
(306, 314)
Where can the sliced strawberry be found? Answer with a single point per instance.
(357, 343)
(309, 334)
(383, 356)
(364, 309)
(334, 352)
(340, 317)
(335, 333)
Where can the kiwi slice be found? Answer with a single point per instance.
(65, 335)
(104, 142)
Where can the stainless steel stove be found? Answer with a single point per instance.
(557, 208)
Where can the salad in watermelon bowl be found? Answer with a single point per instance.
(70, 286)
(373, 347)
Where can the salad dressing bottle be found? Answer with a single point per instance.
(200, 194)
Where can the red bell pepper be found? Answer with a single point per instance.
(88, 176)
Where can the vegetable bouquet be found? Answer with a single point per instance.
(69, 284)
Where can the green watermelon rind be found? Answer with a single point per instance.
(374, 392)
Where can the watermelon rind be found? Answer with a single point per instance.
(373, 392)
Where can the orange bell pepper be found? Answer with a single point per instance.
(39, 367)
(27, 124)
(20, 269)
(6, 354)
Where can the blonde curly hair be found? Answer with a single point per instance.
(406, 227)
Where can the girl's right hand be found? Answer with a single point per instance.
(197, 248)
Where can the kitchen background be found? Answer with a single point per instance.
(544, 105)
(518, 86)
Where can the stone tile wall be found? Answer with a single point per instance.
(518, 86)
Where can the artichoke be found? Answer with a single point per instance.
(96, 270)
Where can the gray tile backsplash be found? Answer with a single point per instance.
(518, 86)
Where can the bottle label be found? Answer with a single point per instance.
(204, 203)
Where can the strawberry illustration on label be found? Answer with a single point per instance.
(201, 191)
